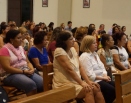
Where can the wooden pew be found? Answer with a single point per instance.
(123, 86)
(47, 76)
(58, 95)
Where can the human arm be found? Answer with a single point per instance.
(1, 42)
(116, 60)
(129, 46)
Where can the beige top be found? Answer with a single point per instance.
(61, 77)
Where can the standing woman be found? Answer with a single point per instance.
(68, 70)
(95, 69)
(3, 31)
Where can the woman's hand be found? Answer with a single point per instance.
(29, 72)
(95, 84)
(86, 86)
(107, 78)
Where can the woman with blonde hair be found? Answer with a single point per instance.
(62, 26)
(95, 69)
(79, 35)
(27, 41)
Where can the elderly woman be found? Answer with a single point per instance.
(15, 69)
(68, 70)
(120, 55)
(95, 69)
(38, 53)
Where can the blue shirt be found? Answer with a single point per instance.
(35, 53)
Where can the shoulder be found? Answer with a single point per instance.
(101, 51)
(85, 55)
(59, 51)
(4, 51)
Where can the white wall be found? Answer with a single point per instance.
(102, 11)
(3, 10)
(45, 14)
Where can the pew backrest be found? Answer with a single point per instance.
(48, 76)
(58, 95)
(123, 86)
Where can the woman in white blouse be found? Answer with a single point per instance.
(120, 55)
(95, 69)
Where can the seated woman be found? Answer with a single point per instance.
(68, 70)
(79, 35)
(17, 70)
(26, 39)
(95, 69)
(120, 55)
(38, 53)
(105, 53)
(52, 42)
(3, 31)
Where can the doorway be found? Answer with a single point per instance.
(20, 10)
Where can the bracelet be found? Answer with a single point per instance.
(23, 72)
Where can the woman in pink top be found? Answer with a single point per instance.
(15, 68)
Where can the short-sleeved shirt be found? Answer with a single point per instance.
(51, 48)
(61, 76)
(35, 53)
(123, 55)
(109, 59)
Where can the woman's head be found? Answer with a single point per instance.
(65, 40)
(55, 33)
(80, 33)
(62, 25)
(14, 37)
(91, 31)
(23, 32)
(107, 40)
(40, 38)
(115, 30)
(51, 25)
(88, 44)
(123, 29)
(120, 39)
(4, 29)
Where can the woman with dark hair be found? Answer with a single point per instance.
(115, 30)
(4, 30)
(120, 55)
(50, 26)
(105, 53)
(68, 70)
(123, 29)
(30, 29)
(52, 42)
(16, 70)
(38, 53)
